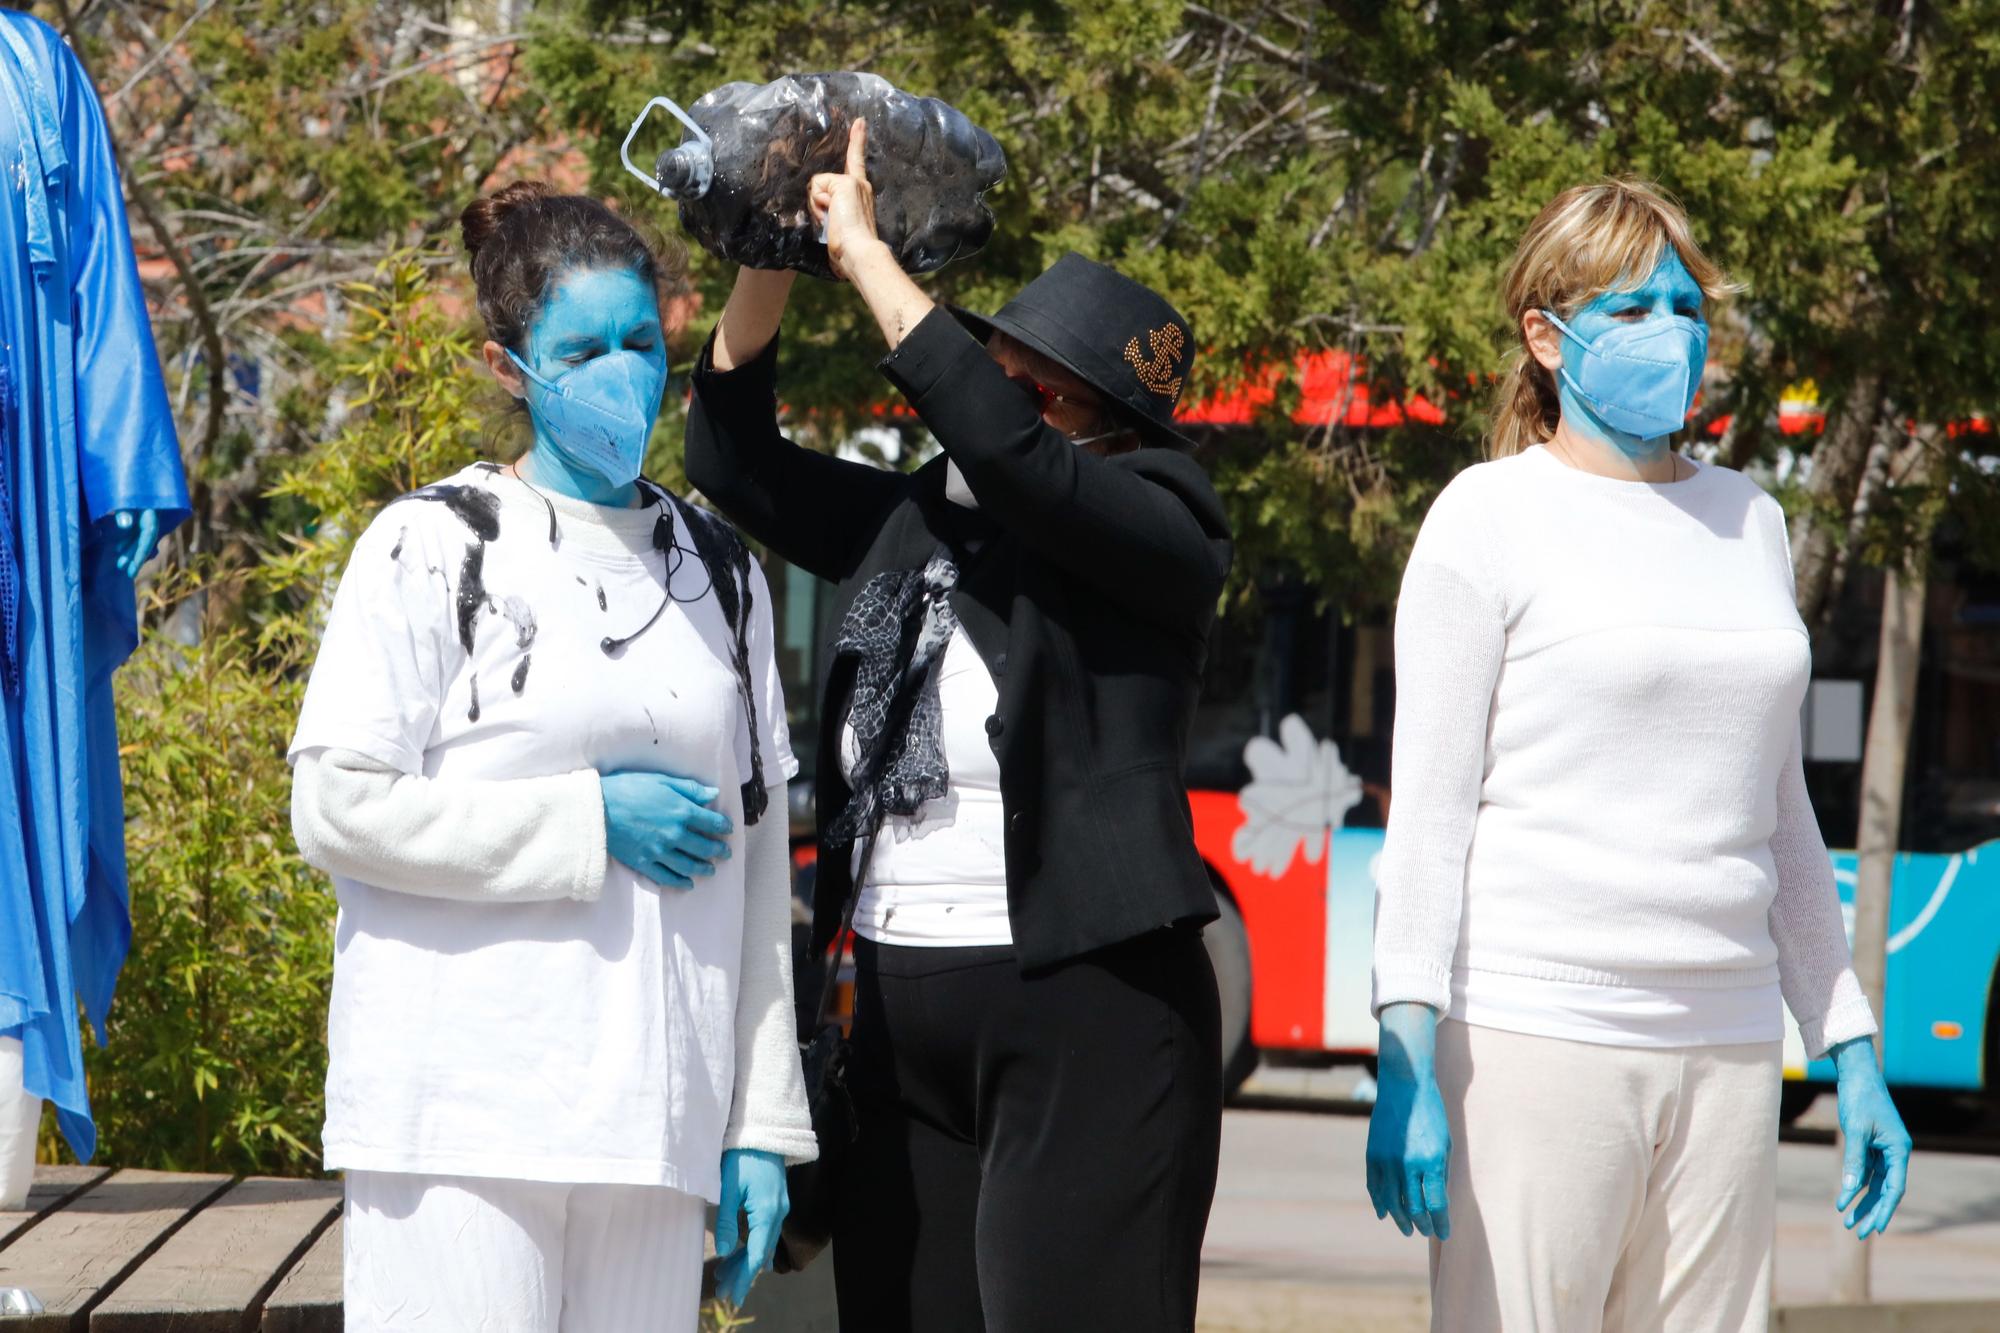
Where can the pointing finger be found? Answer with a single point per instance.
(857, 151)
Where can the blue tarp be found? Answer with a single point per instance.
(85, 431)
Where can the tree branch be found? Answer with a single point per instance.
(1283, 55)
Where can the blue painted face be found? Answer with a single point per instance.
(1660, 320)
(583, 423)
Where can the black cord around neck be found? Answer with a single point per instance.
(673, 555)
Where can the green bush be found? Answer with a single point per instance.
(218, 1045)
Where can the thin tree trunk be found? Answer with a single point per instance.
(1836, 475)
(1883, 767)
(1874, 475)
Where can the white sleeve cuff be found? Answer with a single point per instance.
(1399, 981)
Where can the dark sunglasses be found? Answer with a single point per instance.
(1046, 398)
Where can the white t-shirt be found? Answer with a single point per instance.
(561, 1041)
(1600, 829)
(939, 877)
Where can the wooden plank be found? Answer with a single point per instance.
(76, 1254)
(308, 1300)
(213, 1274)
(53, 1187)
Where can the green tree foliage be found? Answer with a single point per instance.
(218, 1050)
(1354, 176)
(274, 153)
(412, 409)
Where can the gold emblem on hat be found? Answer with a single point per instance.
(1156, 372)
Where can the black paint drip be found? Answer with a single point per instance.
(471, 594)
(479, 510)
(476, 507)
(396, 551)
(521, 673)
(601, 604)
(654, 725)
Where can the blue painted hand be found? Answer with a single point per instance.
(664, 827)
(138, 535)
(753, 1192)
(1409, 1138)
(1878, 1147)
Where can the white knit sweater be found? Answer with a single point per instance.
(1597, 779)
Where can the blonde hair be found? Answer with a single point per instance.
(1591, 239)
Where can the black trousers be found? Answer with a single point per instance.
(1036, 1153)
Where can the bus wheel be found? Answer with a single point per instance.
(1229, 954)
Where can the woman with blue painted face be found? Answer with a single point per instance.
(543, 754)
(1602, 878)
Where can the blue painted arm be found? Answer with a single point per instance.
(1409, 1139)
(1878, 1147)
(753, 1189)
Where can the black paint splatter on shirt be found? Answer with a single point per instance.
(477, 508)
(471, 592)
(521, 672)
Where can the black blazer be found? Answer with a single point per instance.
(1088, 585)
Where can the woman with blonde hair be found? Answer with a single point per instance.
(1602, 870)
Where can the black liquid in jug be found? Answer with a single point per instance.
(750, 150)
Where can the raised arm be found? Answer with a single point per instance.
(816, 511)
(1145, 528)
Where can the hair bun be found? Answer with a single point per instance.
(483, 216)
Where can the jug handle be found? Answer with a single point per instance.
(625, 149)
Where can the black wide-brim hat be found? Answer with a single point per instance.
(1116, 335)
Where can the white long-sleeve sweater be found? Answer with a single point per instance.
(1599, 819)
(515, 840)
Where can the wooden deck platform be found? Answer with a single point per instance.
(159, 1252)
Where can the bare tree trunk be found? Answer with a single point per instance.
(1882, 773)
(1836, 475)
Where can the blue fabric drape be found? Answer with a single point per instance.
(85, 430)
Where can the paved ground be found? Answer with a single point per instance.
(1293, 1244)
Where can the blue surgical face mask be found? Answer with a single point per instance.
(601, 413)
(1639, 378)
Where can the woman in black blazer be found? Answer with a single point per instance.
(1036, 1058)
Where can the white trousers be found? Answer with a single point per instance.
(461, 1254)
(1606, 1189)
(20, 1122)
